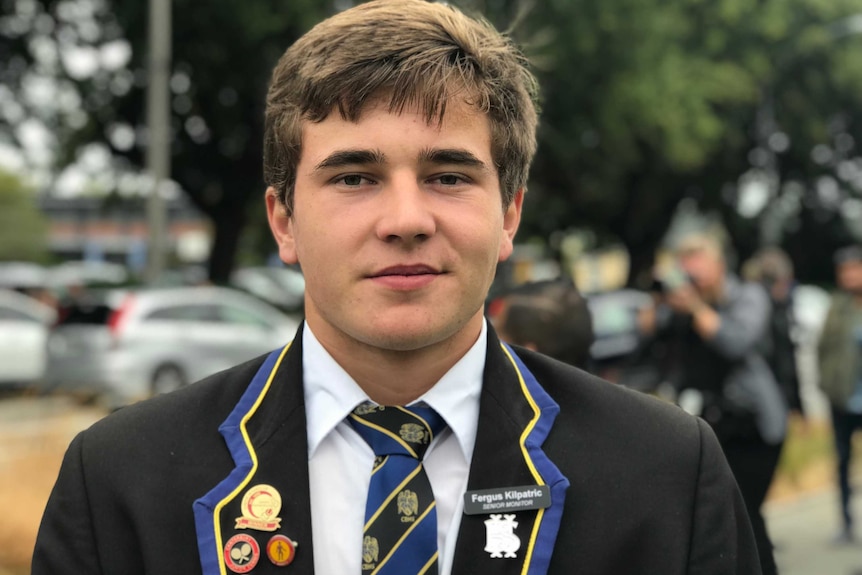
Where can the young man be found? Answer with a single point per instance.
(395, 434)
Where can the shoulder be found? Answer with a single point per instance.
(746, 292)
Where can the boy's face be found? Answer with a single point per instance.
(398, 226)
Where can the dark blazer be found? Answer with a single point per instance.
(637, 486)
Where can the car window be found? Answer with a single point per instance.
(241, 316)
(84, 313)
(184, 313)
(9, 314)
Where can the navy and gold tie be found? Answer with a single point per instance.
(400, 534)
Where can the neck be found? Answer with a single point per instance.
(397, 377)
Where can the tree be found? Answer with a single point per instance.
(23, 229)
(649, 102)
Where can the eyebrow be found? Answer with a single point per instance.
(452, 156)
(343, 158)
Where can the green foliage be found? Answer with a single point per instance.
(23, 229)
(648, 102)
(645, 103)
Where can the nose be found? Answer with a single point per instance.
(406, 215)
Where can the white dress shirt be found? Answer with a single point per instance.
(340, 462)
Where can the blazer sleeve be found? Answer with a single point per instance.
(66, 542)
(722, 542)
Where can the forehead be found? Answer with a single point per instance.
(457, 122)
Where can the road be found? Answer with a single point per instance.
(34, 433)
(801, 530)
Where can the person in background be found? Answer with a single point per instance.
(710, 324)
(771, 267)
(840, 366)
(396, 435)
(550, 317)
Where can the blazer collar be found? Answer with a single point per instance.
(266, 436)
(515, 417)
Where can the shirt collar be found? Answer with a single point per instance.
(331, 394)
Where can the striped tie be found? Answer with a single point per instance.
(400, 534)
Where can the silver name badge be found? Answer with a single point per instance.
(507, 499)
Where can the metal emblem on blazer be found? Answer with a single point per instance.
(413, 433)
(281, 550)
(408, 506)
(260, 507)
(241, 553)
(500, 538)
(370, 552)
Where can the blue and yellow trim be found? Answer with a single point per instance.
(208, 508)
(537, 559)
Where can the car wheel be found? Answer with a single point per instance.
(167, 378)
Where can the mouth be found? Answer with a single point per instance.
(406, 278)
(406, 271)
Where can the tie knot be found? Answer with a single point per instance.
(395, 430)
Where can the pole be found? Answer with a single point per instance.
(158, 154)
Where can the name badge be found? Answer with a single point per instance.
(507, 499)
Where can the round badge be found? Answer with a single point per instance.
(260, 507)
(241, 553)
(281, 550)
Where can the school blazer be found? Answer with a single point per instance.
(637, 486)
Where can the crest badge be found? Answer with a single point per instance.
(281, 550)
(413, 433)
(367, 407)
(500, 538)
(370, 552)
(260, 507)
(241, 553)
(408, 506)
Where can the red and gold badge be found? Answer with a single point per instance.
(281, 550)
(241, 553)
(260, 507)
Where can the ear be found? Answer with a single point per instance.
(281, 225)
(511, 220)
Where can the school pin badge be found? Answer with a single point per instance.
(281, 550)
(260, 507)
(500, 538)
(241, 553)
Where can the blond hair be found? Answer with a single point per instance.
(413, 53)
(700, 243)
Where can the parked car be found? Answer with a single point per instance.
(617, 350)
(127, 345)
(615, 322)
(24, 324)
(280, 286)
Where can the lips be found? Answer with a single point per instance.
(408, 270)
(406, 278)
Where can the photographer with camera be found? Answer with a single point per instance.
(705, 330)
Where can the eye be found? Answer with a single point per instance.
(449, 179)
(352, 180)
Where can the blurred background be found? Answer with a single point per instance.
(130, 187)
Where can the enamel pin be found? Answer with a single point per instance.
(241, 553)
(281, 550)
(500, 538)
(260, 507)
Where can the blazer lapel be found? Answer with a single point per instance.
(515, 416)
(266, 494)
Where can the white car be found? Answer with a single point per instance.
(24, 324)
(128, 344)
